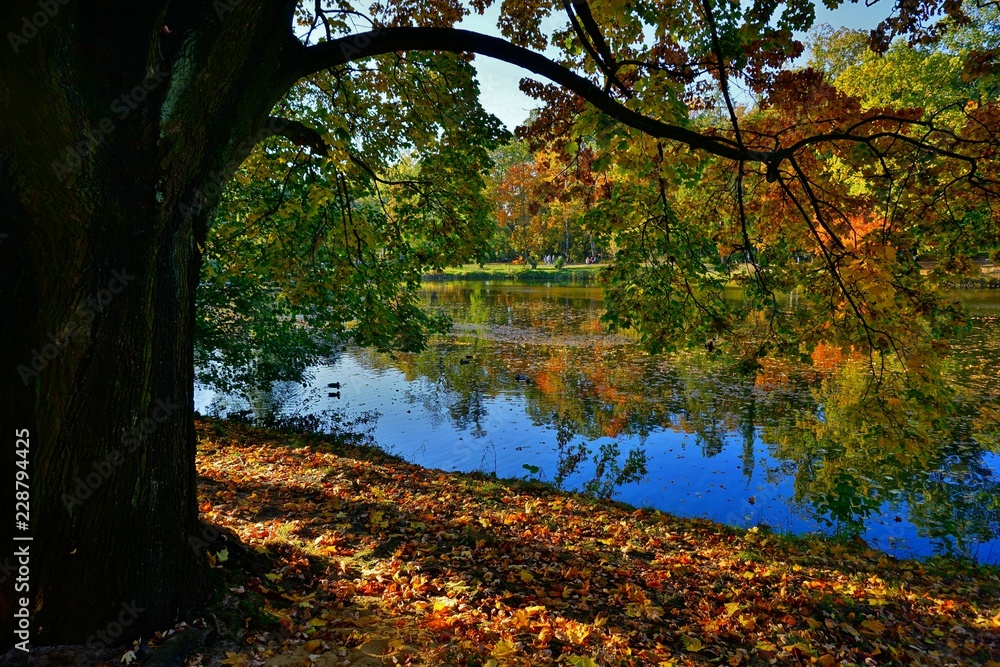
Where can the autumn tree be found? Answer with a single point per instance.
(122, 124)
(541, 200)
(532, 207)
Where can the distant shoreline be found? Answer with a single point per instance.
(581, 274)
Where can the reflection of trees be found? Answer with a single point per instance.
(857, 456)
(849, 458)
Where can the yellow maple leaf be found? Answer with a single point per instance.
(503, 648)
(235, 659)
(875, 626)
(577, 632)
(692, 644)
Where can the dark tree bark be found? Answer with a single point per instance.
(119, 125)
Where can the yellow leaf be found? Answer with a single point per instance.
(582, 661)
(732, 608)
(443, 603)
(503, 648)
(651, 611)
(692, 644)
(235, 659)
(577, 632)
(526, 577)
(827, 660)
(875, 626)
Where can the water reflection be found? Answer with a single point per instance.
(849, 464)
(528, 372)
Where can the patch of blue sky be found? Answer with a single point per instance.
(499, 81)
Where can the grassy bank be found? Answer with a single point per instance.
(369, 560)
(579, 274)
(587, 274)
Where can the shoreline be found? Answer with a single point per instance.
(586, 275)
(465, 568)
(570, 274)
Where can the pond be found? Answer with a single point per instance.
(528, 376)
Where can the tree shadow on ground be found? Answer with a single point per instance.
(377, 560)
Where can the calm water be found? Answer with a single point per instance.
(740, 450)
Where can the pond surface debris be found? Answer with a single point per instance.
(369, 560)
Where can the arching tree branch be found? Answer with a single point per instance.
(311, 59)
(599, 49)
(296, 132)
(390, 40)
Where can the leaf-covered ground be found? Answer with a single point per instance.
(374, 561)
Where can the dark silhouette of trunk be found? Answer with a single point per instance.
(115, 141)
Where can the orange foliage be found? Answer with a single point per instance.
(827, 357)
(773, 374)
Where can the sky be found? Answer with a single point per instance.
(498, 80)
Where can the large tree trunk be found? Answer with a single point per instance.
(118, 127)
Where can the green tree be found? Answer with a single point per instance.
(929, 77)
(325, 244)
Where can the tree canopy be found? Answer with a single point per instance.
(710, 157)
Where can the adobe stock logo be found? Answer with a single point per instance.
(31, 25)
(107, 637)
(102, 469)
(84, 315)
